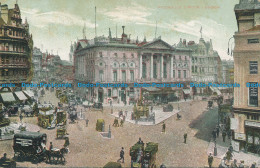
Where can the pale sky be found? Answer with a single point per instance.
(55, 23)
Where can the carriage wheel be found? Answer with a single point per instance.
(21, 155)
(35, 160)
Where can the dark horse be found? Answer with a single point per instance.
(59, 154)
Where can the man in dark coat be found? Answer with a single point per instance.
(122, 155)
(217, 130)
(185, 137)
(210, 160)
(224, 135)
(51, 146)
(214, 132)
(163, 127)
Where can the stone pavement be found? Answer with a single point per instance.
(222, 148)
(160, 116)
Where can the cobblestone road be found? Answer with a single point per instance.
(88, 148)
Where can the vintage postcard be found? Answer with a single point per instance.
(129, 83)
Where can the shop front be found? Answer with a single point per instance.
(252, 129)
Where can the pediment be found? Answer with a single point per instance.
(158, 44)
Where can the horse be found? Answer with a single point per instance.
(59, 154)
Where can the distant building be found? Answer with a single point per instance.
(246, 122)
(72, 49)
(16, 46)
(228, 71)
(206, 63)
(37, 63)
(122, 60)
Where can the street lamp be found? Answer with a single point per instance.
(228, 44)
(215, 148)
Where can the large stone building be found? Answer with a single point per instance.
(246, 122)
(16, 47)
(37, 63)
(122, 60)
(206, 63)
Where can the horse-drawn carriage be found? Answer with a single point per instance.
(52, 118)
(61, 132)
(143, 157)
(31, 146)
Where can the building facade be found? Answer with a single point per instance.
(121, 60)
(37, 63)
(206, 63)
(246, 121)
(16, 46)
(227, 71)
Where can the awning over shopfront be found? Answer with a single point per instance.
(214, 89)
(29, 93)
(152, 89)
(186, 91)
(8, 97)
(20, 95)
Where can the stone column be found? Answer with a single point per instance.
(151, 67)
(141, 65)
(161, 71)
(171, 67)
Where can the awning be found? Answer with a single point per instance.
(214, 89)
(186, 91)
(50, 112)
(151, 89)
(29, 93)
(20, 95)
(8, 97)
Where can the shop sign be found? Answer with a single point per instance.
(234, 123)
(235, 145)
(252, 124)
(240, 136)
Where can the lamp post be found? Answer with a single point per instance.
(215, 148)
(228, 44)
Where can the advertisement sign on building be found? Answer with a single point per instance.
(235, 145)
(234, 123)
(240, 136)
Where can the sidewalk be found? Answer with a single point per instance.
(160, 116)
(222, 148)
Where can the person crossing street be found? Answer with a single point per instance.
(210, 160)
(185, 137)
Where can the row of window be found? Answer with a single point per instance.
(194, 69)
(133, 55)
(10, 47)
(115, 76)
(13, 72)
(10, 60)
(12, 33)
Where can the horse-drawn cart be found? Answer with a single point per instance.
(30, 146)
(61, 132)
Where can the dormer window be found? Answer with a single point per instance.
(124, 56)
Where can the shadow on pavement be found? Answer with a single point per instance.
(205, 123)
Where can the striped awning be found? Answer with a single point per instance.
(8, 97)
(20, 95)
(29, 93)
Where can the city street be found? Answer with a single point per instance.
(88, 148)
